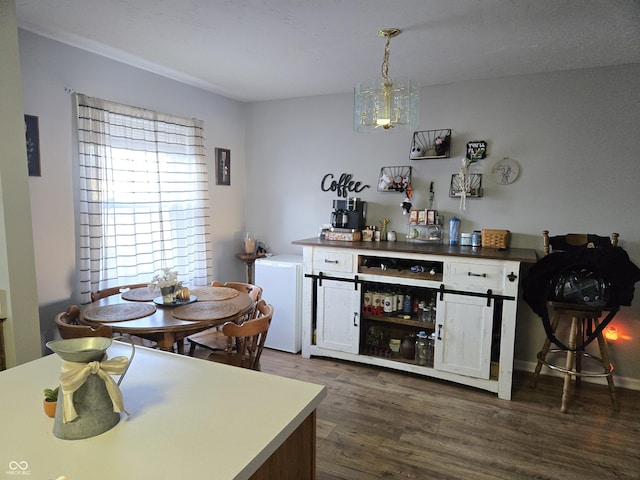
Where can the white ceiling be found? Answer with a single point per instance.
(252, 50)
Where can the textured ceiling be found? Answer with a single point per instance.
(252, 50)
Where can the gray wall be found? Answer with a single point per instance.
(573, 134)
(48, 68)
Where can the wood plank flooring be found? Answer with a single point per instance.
(378, 423)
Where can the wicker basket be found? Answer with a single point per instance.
(495, 238)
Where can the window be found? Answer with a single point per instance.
(143, 196)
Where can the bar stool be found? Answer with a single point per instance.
(584, 320)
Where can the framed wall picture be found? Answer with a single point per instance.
(223, 166)
(32, 135)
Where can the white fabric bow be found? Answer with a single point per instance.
(74, 375)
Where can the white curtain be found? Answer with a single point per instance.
(143, 196)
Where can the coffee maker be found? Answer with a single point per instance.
(349, 214)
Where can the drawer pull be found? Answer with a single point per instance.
(471, 274)
(326, 260)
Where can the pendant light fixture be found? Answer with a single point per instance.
(383, 104)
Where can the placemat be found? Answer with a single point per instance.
(205, 310)
(119, 312)
(214, 293)
(140, 294)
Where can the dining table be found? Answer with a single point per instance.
(143, 313)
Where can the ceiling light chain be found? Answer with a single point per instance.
(388, 33)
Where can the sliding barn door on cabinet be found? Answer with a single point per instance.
(463, 335)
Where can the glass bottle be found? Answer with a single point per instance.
(431, 313)
(406, 304)
(454, 231)
(422, 313)
(388, 302)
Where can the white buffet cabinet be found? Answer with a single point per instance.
(474, 292)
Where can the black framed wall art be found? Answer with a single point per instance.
(32, 134)
(223, 166)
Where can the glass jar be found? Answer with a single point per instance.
(431, 344)
(476, 239)
(250, 243)
(421, 349)
(408, 347)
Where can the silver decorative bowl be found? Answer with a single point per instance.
(80, 350)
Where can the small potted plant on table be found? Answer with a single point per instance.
(50, 401)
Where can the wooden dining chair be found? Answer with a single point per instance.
(213, 338)
(69, 326)
(254, 291)
(245, 342)
(107, 292)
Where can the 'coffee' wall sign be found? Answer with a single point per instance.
(342, 186)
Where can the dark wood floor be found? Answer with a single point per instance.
(377, 423)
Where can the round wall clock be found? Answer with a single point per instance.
(505, 171)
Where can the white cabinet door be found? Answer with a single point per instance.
(338, 320)
(463, 335)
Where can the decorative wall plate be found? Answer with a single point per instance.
(505, 171)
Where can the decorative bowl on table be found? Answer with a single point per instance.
(176, 303)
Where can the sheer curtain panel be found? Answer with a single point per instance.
(143, 196)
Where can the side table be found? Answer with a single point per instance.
(249, 260)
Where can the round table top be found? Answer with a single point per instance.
(137, 317)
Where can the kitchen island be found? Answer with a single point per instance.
(471, 294)
(189, 418)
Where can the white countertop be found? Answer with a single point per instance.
(190, 418)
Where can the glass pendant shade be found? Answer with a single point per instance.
(383, 105)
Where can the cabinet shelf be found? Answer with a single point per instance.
(436, 277)
(412, 322)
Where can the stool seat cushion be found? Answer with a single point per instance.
(612, 263)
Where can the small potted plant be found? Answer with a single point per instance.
(50, 401)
